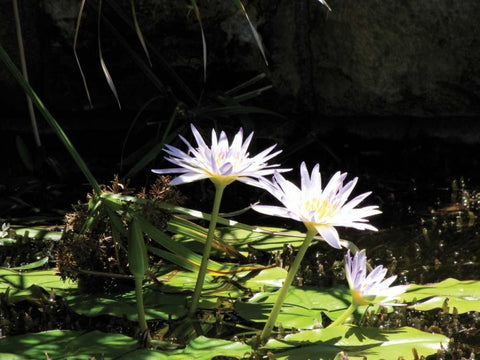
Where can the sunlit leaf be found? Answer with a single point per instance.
(25, 285)
(65, 344)
(186, 230)
(269, 239)
(357, 343)
(38, 232)
(201, 348)
(464, 296)
(184, 257)
(302, 308)
(264, 280)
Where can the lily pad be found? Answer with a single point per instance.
(464, 296)
(158, 305)
(31, 285)
(201, 348)
(357, 343)
(303, 307)
(58, 344)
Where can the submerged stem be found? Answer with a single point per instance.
(267, 329)
(208, 246)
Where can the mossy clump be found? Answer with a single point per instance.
(93, 252)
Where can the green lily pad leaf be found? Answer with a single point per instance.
(303, 307)
(59, 344)
(464, 296)
(158, 305)
(201, 348)
(32, 284)
(357, 343)
(40, 233)
(267, 279)
(180, 281)
(268, 239)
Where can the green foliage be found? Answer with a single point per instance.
(451, 295)
(31, 285)
(78, 345)
(158, 305)
(302, 308)
(357, 343)
(60, 344)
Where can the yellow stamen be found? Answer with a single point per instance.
(322, 208)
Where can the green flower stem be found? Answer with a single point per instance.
(267, 329)
(208, 246)
(351, 309)
(140, 308)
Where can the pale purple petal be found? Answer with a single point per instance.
(330, 234)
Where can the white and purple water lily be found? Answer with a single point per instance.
(222, 163)
(373, 288)
(318, 209)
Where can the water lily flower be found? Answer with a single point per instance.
(320, 210)
(222, 162)
(372, 288)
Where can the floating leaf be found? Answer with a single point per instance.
(28, 285)
(180, 281)
(303, 307)
(357, 343)
(201, 348)
(59, 344)
(39, 233)
(158, 305)
(464, 296)
(267, 238)
(266, 279)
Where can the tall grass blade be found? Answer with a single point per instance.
(204, 43)
(247, 83)
(50, 119)
(23, 62)
(323, 2)
(256, 35)
(75, 39)
(138, 30)
(108, 77)
(175, 82)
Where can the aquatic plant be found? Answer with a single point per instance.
(371, 289)
(319, 210)
(222, 164)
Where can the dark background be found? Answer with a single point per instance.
(386, 90)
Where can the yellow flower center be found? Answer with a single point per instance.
(322, 208)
